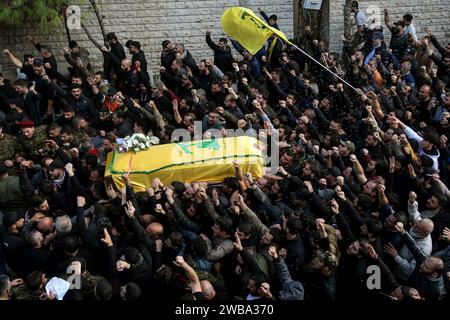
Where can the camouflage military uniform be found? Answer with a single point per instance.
(78, 136)
(32, 148)
(21, 292)
(9, 147)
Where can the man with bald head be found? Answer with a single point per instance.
(424, 96)
(213, 291)
(426, 276)
(45, 225)
(155, 230)
(208, 290)
(421, 233)
(127, 81)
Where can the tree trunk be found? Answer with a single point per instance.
(347, 19)
(99, 18)
(88, 33)
(67, 29)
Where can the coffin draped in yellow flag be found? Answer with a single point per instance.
(203, 160)
(249, 30)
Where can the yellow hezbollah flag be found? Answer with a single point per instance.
(250, 31)
(202, 160)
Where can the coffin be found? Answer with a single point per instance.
(203, 160)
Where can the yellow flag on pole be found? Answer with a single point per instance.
(249, 30)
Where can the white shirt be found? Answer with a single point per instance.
(360, 19)
(411, 29)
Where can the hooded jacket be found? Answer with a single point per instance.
(411, 134)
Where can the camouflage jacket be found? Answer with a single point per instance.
(21, 292)
(9, 147)
(32, 148)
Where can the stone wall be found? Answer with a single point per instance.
(149, 22)
(434, 14)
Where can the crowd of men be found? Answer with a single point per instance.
(362, 183)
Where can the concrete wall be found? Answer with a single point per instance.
(149, 22)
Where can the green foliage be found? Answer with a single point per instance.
(45, 14)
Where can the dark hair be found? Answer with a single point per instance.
(73, 44)
(426, 161)
(355, 4)
(111, 36)
(132, 291)
(294, 224)
(200, 247)
(408, 17)
(432, 137)
(36, 200)
(176, 238)
(245, 227)
(277, 235)
(103, 290)
(364, 202)
(189, 100)
(273, 17)
(232, 183)
(120, 114)
(70, 244)
(442, 200)
(224, 40)
(74, 86)
(143, 124)
(179, 187)
(374, 226)
(165, 43)
(110, 137)
(21, 83)
(33, 280)
(259, 277)
(92, 160)
(164, 275)
(67, 129)
(99, 188)
(128, 43)
(225, 224)
(132, 255)
(401, 216)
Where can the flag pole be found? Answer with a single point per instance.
(323, 66)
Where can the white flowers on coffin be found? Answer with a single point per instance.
(137, 142)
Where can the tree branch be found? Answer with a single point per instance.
(99, 19)
(347, 19)
(88, 33)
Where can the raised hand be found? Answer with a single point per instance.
(389, 249)
(237, 244)
(130, 210)
(107, 238)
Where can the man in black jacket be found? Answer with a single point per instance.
(116, 50)
(223, 58)
(79, 102)
(138, 56)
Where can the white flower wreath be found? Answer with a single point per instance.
(137, 142)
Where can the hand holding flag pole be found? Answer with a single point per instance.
(252, 33)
